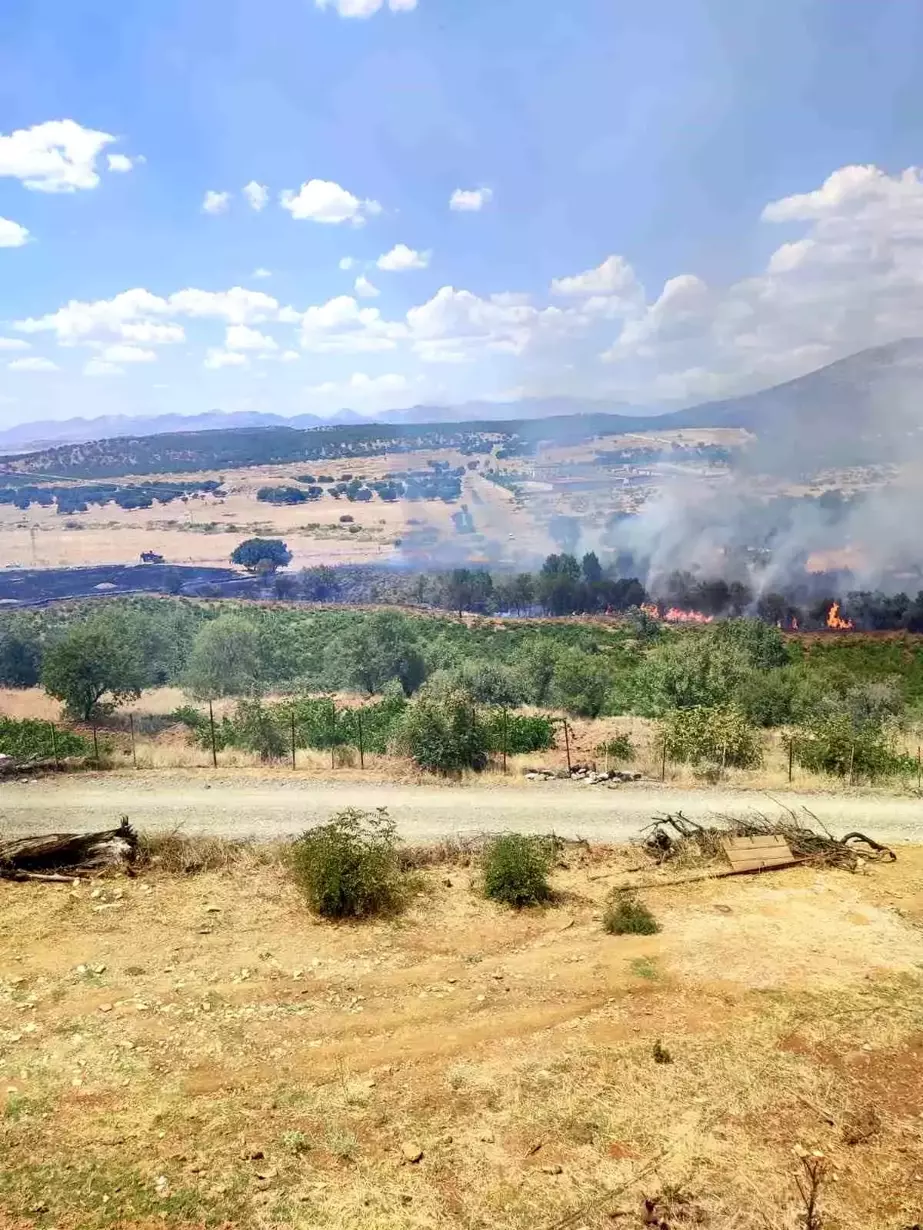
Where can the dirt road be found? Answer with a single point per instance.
(266, 807)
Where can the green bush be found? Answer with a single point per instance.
(619, 749)
(519, 733)
(516, 869)
(721, 737)
(836, 745)
(445, 735)
(349, 867)
(626, 915)
(29, 739)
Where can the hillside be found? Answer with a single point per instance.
(860, 409)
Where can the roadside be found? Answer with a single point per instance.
(240, 806)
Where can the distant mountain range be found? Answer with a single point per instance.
(31, 436)
(861, 409)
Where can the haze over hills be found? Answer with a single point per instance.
(864, 408)
(79, 430)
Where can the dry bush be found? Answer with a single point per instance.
(177, 854)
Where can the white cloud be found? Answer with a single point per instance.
(32, 363)
(455, 325)
(289, 356)
(257, 195)
(470, 200)
(366, 8)
(320, 200)
(347, 262)
(242, 337)
(215, 358)
(13, 343)
(340, 326)
(613, 277)
(57, 156)
(853, 279)
(121, 163)
(365, 289)
(238, 306)
(260, 272)
(128, 354)
(101, 367)
(216, 202)
(402, 258)
(12, 235)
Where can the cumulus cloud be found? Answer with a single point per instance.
(401, 258)
(102, 367)
(456, 325)
(614, 277)
(32, 363)
(340, 326)
(257, 195)
(216, 202)
(347, 263)
(215, 358)
(853, 279)
(12, 235)
(470, 200)
(57, 156)
(237, 306)
(260, 272)
(321, 200)
(242, 337)
(128, 354)
(122, 163)
(366, 289)
(13, 343)
(366, 8)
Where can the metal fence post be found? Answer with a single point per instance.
(361, 742)
(96, 747)
(131, 727)
(567, 745)
(293, 736)
(211, 723)
(54, 746)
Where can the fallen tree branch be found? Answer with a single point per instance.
(42, 857)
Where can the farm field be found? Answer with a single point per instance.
(197, 1050)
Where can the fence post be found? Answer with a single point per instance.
(333, 734)
(54, 746)
(504, 739)
(852, 761)
(361, 743)
(211, 724)
(791, 756)
(293, 736)
(131, 727)
(663, 763)
(919, 769)
(567, 745)
(96, 747)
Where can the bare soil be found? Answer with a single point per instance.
(199, 1051)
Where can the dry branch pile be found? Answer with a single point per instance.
(677, 839)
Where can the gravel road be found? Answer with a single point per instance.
(275, 807)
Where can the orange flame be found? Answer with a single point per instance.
(833, 618)
(675, 615)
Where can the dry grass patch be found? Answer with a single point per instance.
(200, 1051)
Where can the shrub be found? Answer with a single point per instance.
(720, 736)
(444, 735)
(619, 748)
(837, 746)
(518, 733)
(349, 867)
(626, 915)
(30, 739)
(516, 869)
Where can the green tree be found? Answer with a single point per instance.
(224, 660)
(262, 554)
(688, 671)
(559, 584)
(582, 682)
(535, 663)
(92, 670)
(20, 661)
(379, 648)
(485, 682)
(467, 589)
(591, 568)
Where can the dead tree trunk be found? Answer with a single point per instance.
(28, 858)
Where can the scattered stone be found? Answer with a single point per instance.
(486, 1136)
(105, 1007)
(253, 1154)
(411, 1152)
(213, 909)
(724, 909)
(553, 1169)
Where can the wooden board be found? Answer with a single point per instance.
(760, 853)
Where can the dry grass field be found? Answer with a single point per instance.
(191, 1050)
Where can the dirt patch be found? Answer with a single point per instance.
(200, 1051)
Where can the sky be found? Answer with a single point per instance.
(297, 206)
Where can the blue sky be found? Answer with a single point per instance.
(665, 202)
